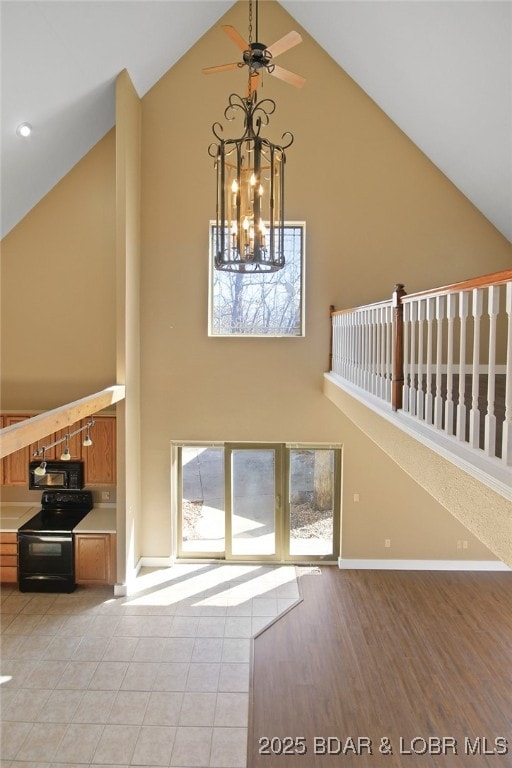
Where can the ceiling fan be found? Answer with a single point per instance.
(259, 57)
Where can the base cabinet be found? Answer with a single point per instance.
(95, 558)
(8, 558)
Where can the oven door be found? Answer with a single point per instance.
(45, 561)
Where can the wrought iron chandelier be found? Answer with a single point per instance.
(249, 233)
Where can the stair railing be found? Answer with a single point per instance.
(443, 356)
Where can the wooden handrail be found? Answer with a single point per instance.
(494, 278)
(26, 432)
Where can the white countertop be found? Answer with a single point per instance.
(101, 519)
(14, 514)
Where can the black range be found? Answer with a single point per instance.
(46, 556)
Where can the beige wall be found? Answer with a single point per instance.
(59, 292)
(377, 211)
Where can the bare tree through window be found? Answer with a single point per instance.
(261, 304)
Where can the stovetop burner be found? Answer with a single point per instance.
(60, 512)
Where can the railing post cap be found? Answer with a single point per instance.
(398, 292)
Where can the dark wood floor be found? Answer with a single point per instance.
(394, 654)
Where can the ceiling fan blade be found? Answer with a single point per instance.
(219, 68)
(284, 44)
(288, 77)
(235, 36)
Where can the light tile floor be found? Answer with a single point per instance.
(159, 678)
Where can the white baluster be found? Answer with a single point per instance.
(358, 348)
(353, 346)
(386, 338)
(362, 347)
(451, 309)
(354, 350)
(387, 353)
(493, 303)
(341, 345)
(347, 344)
(461, 409)
(390, 353)
(474, 414)
(413, 392)
(369, 333)
(373, 356)
(338, 350)
(383, 353)
(376, 366)
(378, 329)
(506, 454)
(371, 328)
(334, 341)
(406, 359)
(420, 397)
(429, 400)
(344, 344)
(438, 400)
(350, 344)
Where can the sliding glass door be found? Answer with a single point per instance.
(312, 520)
(239, 501)
(253, 508)
(201, 506)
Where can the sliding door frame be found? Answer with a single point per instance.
(278, 450)
(282, 453)
(336, 510)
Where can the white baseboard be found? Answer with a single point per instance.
(120, 590)
(155, 562)
(422, 565)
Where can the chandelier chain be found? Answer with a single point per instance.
(249, 84)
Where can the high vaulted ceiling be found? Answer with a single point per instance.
(441, 69)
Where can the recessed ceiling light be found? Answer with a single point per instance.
(24, 129)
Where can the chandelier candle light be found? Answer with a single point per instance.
(250, 184)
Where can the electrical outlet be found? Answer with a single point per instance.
(356, 497)
(105, 495)
(459, 544)
(387, 542)
(465, 544)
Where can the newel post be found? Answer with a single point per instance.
(397, 380)
(331, 311)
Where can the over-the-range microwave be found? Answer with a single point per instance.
(57, 474)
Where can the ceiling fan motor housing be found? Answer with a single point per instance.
(257, 57)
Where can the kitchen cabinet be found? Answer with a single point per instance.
(95, 558)
(100, 458)
(8, 558)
